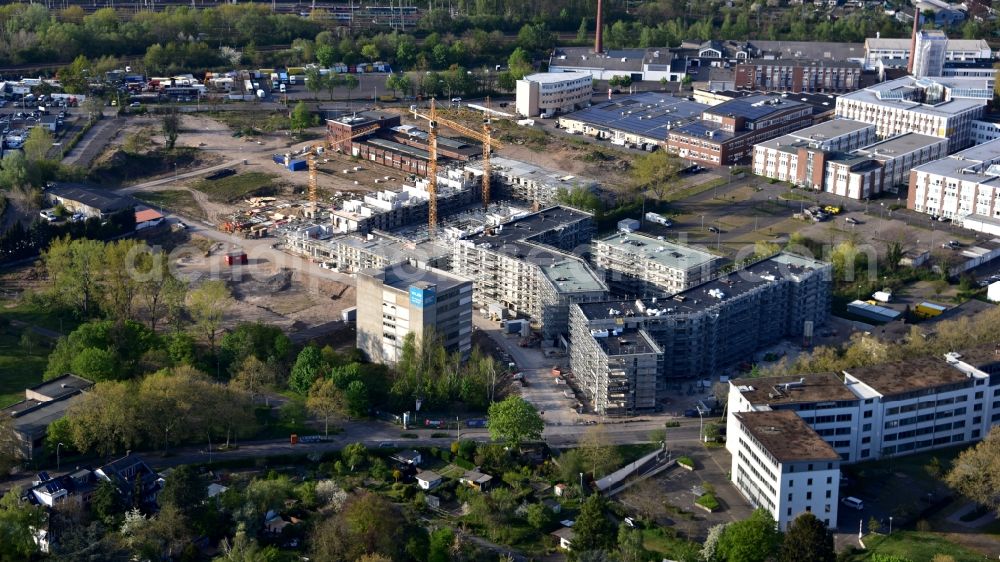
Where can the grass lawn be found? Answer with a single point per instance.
(237, 187)
(18, 368)
(661, 543)
(177, 200)
(684, 193)
(916, 547)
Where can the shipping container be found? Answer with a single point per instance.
(298, 165)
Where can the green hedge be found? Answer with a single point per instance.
(708, 501)
(686, 461)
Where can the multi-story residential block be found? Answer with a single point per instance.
(964, 187)
(401, 299)
(526, 266)
(886, 410)
(528, 182)
(727, 133)
(619, 370)
(783, 466)
(718, 323)
(896, 52)
(796, 75)
(550, 93)
(637, 264)
(939, 107)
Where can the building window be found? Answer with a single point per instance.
(789, 497)
(809, 482)
(809, 495)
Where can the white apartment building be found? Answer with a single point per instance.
(898, 408)
(901, 153)
(638, 264)
(859, 415)
(783, 466)
(965, 185)
(553, 92)
(896, 52)
(939, 107)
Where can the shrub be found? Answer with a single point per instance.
(708, 501)
(686, 461)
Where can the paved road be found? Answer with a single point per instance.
(94, 141)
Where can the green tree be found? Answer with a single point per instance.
(18, 522)
(356, 396)
(655, 172)
(301, 117)
(442, 541)
(351, 82)
(171, 126)
(755, 539)
(10, 446)
(597, 451)
(184, 489)
(630, 548)
(106, 503)
(807, 540)
(354, 455)
(398, 82)
(208, 305)
(593, 530)
(514, 421)
(327, 401)
(371, 52)
(38, 145)
(976, 472)
(538, 516)
(306, 369)
(367, 524)
(506, 82)
(519, 64)
(315, 81)
(73, 76)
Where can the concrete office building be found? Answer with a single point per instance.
(786, 158)
(709, 327)
(963, 187)
(783, 466)
(792, 75)
(618, 370)
(637, 264)
(727, 133)
(549, 93)
(939, 107)
(896, 52)
(986, 129)
(525, 266)
(402, 299)
(899, 154)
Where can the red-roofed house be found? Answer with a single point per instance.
(147, 218)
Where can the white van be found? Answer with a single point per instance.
(851, 501)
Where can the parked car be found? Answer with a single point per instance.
(852, 220)
(851, 501)
(714, 230)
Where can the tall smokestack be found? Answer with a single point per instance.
(599, 36)
(913, 39)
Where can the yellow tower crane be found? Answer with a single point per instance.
(314, 150)
(485, 137)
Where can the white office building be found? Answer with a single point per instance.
(985, 129)
(553, 92)
(895, 52)
(783, 466)
(939, 107)
(963, 187)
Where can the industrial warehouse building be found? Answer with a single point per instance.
(525, 266)
(402, 299)
(703, 329)
(727, 132)
(642, 120)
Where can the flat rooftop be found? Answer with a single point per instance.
(903, 43)
(571, 275)
(699, 299)
(980, 164)
(966, 94)
(902, 377)
(517, 168)
(530, 225)
(32, 418)
(754, 108)
(899, 145)
(794, 389)
(822, 50)
(981, 357)
(94, 197)
(402, 276)
(555, 77)
(399, 147)
(829, 130)
(662, 252)
(62, 385)
(789, 439)
(628, 342)
(649, 114)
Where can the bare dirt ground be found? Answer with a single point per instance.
(265, 292)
